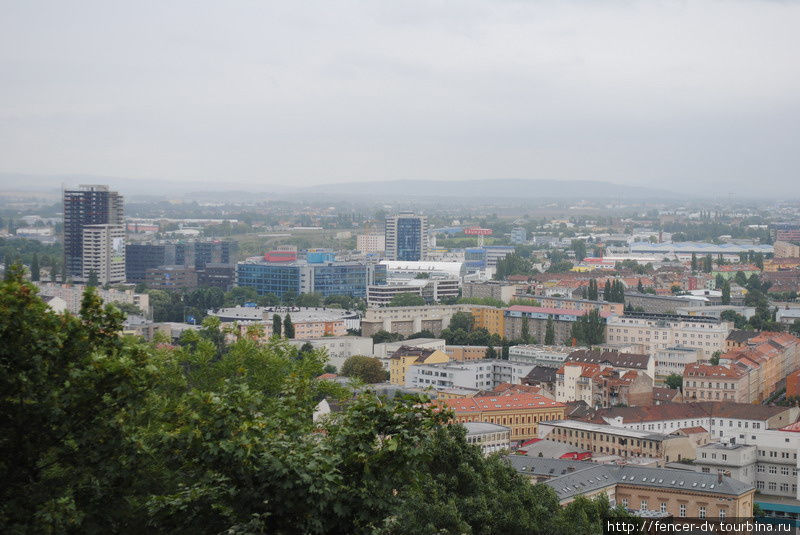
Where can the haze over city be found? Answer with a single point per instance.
(371, 267)
(693, 97)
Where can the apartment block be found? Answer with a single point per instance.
(406, 237)
(673, 360)
(103, 253)
(490, 438)
(484, 374)
(618, 441)
(501, 291)
(540, 355)
(371, 243)
(702, 381)
(652, 332)
(516, 317)
(577, 304)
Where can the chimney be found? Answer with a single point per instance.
(719, 477)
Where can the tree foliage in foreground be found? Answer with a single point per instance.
(105, 434)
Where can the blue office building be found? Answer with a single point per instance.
(406, 237)
(326, 278)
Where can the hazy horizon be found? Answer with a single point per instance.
(682, 96)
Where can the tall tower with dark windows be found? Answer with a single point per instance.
(406, 237)
(94, 234)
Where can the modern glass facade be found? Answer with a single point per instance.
(409, 239)
(278, 279)
(332, 278)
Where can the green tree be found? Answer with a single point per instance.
(462, 320)
(92, 281)
(579, 247)
(406, 299)
(589, 329)
(640, 287)
(288, 326)
(35, 271)
(719, 280)
(381, 337)
(422, 334)
(740, 278)
(694, 263)
(607, 293)
(491, 353)
(67, 386)
(714, 360)
(726, 293)
(276, 325)
(313, 299)
(526, 334)
(549, 332)
(592, 293)
(674, 381)
(708, 264)
(367, 369)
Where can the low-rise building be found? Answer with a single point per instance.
(536, 319)
(619, 361)
(482, 374)
(733, 460)
(673, 360)
(338, 348)
(464, 353)
(539, 355)
(702, 381)
(490, 438)
(408, 356)
(523, 413)
(619, 441)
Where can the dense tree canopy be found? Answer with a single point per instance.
(101, 433)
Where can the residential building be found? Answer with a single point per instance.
(569, 303)
(371, 243)
(484, 374)
(516, 317)
(519, 235)
(466, 353)
(410, 320)
(733, 460)
(673, 360)
(103, 253)
(338, 348)
(490, 318)
(523, 413)
(645, 491)
(539, 355)
(72, 295)
(785, 231)
(651, 332)
(406, 237)
(501, 291)
(93, 205)
(737, 339)
(431, 290)
(386, 349)
(490, 438)
(408, 356)
(602, 386)
(767, 359)
(725, 421)
(702, 381)
(618, 441)
(617, 360)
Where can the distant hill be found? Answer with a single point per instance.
(497, 188)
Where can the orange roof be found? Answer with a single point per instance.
(708, 370)
(499, 403)
(693, 430)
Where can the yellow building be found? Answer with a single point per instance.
(521, 412)
(489, 318)
(408, 356)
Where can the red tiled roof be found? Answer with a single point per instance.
(499, 403)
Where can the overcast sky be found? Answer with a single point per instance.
(635, 92)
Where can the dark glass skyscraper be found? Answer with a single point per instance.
(85, 206)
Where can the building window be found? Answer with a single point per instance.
(663, 507)
(773, 469)
(643, 505)
(701, 512)
(772, 485)
(721, 514)
(624, 502)
(760, 485)
(682, 512)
